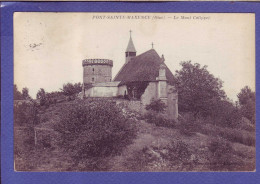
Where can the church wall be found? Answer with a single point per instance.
(149, 93)
(162, 89)
(121, 90)
(100, 91)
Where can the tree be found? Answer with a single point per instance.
(197, 89)
(70, 89)
(17, 94)
(94, 130)
(25, 93)
(41, 95)
(246, 99)
(245, 95)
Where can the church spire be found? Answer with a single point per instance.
(130, 50)
(130, 46)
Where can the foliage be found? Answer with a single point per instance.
(156, 105)
(180, 154)
(70, 89)
(25, 118)
(224, 113)
(158, 119)
(221, 155)
(188, 125)
(25, 93)
(17, 94)
(41, 95)
(197, 88)
(175, 156)
(230, 134)
(55, 97)
(92, 129)
(246, 95)
(26, 114)
(248, 110)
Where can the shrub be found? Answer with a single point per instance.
(140, 160)
(70, 89)
(156, 105)
(248, 110)
(179, 156)
(175, 156)
(221, 154)
(230, 134)
(41, 95)
(188, 125)
(26, 114)
(94, 129)
(158, 119)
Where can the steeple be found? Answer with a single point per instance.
(130, 50)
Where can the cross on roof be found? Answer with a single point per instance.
(152, 45)
(130, 32)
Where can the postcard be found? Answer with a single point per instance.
(156, 92)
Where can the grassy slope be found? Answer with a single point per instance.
(144, 154)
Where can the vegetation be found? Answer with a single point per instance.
(247, 103)
(41, 95)
(211, 134)
(156, 105)
(70, 89)
(158, 119)
(24, 95)
(94, 129)
(197, 89)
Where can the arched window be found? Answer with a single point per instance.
(93, 79)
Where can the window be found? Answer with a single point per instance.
(93, 79)
(93, 70)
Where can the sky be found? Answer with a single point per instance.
(49, 47)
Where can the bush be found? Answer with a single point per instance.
(156, 105)
(230, 134)
(221, 154)
(224, 114)
(158, 119)
(93, 129)
(179, 153)
(70, 89)
(41, 95)
(26, 114)
(188, 125)
(175, 156)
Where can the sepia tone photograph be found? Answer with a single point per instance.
(149, 92)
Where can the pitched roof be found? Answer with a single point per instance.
(130, 46)
(144, 67)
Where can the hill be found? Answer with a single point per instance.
(187, 145)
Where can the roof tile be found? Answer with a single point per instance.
(144, 67)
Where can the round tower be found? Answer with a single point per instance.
(97, 70)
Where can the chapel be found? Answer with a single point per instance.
(142, 78)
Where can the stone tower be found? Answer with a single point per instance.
(97, 70)
(130, 50)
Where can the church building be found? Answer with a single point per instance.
(142, 78)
